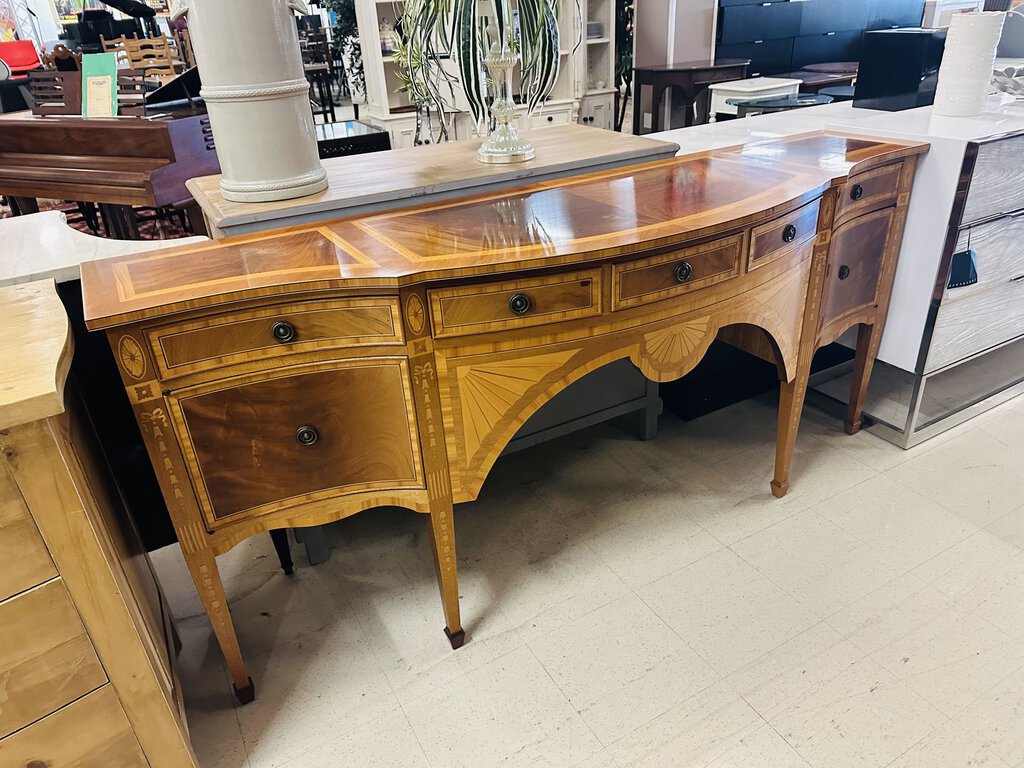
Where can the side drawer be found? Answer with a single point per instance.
(997, 184)
(46, 658)
(93, 732)
(782, 236)
(273, 331)
(515, 304)
(975, 323)
(675, 272)
(24, 560)
(999, 249)
(855, 265)
(869, 191)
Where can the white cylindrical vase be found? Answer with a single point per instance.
(966, 69)
(257, 97)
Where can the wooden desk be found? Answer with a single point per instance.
(690, 77)
(118, 162)
(359, 186)
(86, 647)
(303, 375)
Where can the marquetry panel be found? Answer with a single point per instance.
(26, 562)
(219, 340)
(675, 272)
(93, 732)
(782, 236)
(246, 455)
(46, 657)
(869, 191)
(482, 308)
(855, 264)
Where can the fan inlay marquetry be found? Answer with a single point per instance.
(489, 390)
(672, 345)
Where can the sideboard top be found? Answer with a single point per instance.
(35, 355)
(563, 222)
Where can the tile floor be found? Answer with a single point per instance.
(650, 604)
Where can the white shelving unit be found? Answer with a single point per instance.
(584, 90)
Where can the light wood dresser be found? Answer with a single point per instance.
(86, 659)
(302, 375)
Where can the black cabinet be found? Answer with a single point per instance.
(833, 46)
(822, 16)
(766, 58)
(750, 23)
(889, 14)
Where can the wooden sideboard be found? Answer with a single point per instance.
(303, 375)
(87, 674)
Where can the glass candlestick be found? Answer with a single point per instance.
(505, 144)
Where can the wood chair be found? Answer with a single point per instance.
(152, 55)
(183, 44)
(63, 59)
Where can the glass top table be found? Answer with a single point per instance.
(745, 107)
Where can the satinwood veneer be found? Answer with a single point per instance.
(299, 376)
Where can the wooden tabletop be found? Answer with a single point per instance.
(681, 66)
(401, 175)
(563, 222)
(35, 354)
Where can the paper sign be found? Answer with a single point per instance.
(99, 85)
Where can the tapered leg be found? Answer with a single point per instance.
(869, 337)
(284, 552)
(202, 565)
(442, 539)
(791, 406)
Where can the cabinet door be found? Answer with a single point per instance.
(855, 265)
(261, 443)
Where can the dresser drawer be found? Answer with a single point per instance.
(93, 732)
(999, 251)
(675, 272)
(976, 323)
(997, 184)
(266, 332)
(515, 304)
(855, 265)
(258, 443)
(782, 236)
(24, 559)
(869, 191)
(46, 658)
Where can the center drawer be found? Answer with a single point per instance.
(675, 272)
(515, 304)
(265, 332)
(783, 236)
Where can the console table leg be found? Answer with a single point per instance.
(869, 337)
(202, 565)
(791, 406)
(442, 540)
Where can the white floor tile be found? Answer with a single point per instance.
(387, 742)
(976, 476)
(1010, 527)
(949, 747)
(691, 735)
(726, 610)
(903, 526)
(505, 713)
(621, 666)
(816, 562)
(994, 718)
(969, 564)
(764, 748)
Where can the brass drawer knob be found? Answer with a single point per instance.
(789, 233)
(306, 435)
(684, 271)
(857, 192)
(283, 331)
(520, 304)
(844, 272)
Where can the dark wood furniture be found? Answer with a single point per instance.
(350, 137)
(771, 104)
(321, 100)
(813, 82)
(691, 78)
(117, 163)
(303, 375)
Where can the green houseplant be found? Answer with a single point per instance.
(489, 40)
(347, 47)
